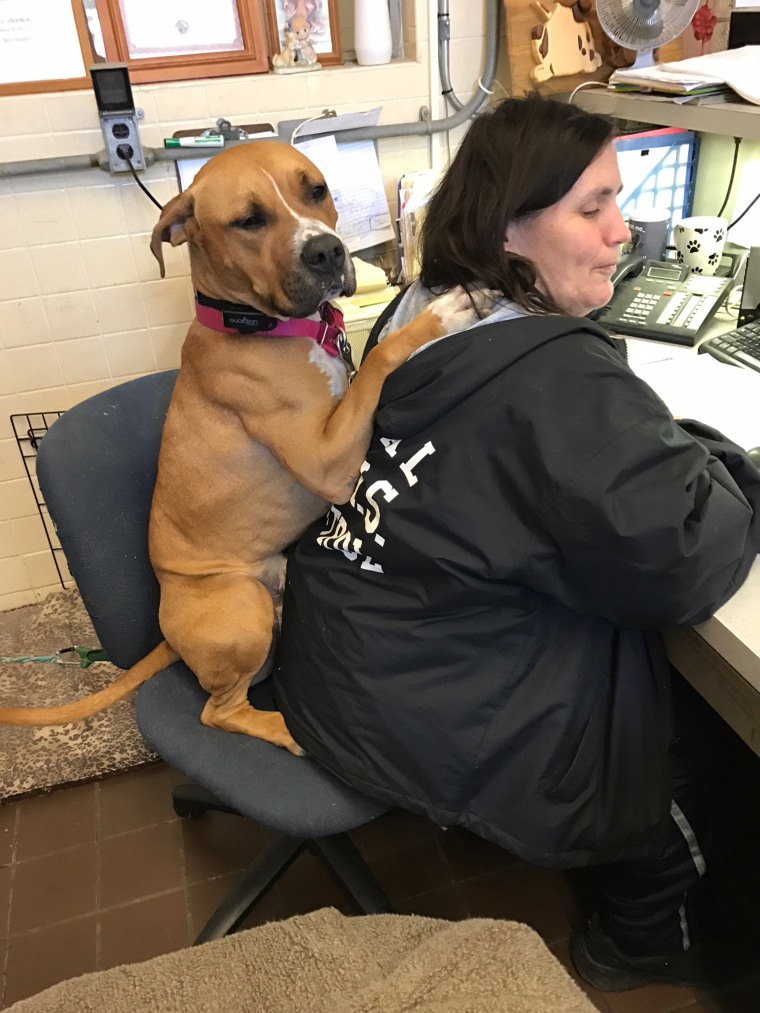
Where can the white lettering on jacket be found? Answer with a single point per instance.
(344, 534)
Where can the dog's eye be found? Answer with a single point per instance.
(250, 223)
(319, 192)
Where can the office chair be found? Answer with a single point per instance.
(96, 468)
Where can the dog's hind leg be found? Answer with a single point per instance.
(222, 627)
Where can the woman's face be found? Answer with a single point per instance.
(575, 244)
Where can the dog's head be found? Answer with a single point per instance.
(260, 222)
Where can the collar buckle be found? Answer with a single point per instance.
(344, 351)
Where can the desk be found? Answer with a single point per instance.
(719, 657)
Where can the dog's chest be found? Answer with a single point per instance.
(332, 367)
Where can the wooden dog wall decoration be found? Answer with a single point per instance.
(563, 43)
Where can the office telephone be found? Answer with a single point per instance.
(662, 300)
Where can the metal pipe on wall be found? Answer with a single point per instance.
(421, 127)
(444, 64)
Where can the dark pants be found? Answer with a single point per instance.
(659, 906)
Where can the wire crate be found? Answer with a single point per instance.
(659, 171)
(29, 428)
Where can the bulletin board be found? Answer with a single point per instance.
(521, 17)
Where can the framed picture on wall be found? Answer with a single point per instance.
(46, 46)
(180, 39)
(322, 16)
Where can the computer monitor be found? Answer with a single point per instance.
(750, 304)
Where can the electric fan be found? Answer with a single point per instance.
(644, 25)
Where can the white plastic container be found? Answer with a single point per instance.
(372, 32)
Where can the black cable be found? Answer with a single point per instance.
(737, 142)
(749, 207)
(123, 154)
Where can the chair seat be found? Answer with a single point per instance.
(246, 773)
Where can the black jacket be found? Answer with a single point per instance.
(474, 636)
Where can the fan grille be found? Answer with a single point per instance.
(645, 24)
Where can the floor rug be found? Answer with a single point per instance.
(33, 760)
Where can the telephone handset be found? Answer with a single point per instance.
(628, 266)
(662, 300)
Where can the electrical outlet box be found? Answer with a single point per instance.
(118, 116)
(122, 139)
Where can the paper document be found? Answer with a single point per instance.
(352, 171)
(414, 190)
(739, 69)
(700, 387)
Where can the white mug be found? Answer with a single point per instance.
(700, 241)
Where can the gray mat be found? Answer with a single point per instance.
(33, 760)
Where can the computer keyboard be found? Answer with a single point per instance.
(740, 347)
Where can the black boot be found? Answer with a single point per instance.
(599, 962)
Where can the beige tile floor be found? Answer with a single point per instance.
(105, 873)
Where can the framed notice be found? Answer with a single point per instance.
(44, 46)
(178, 39)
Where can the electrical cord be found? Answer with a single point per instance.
(586, 84)
(737, 144)
(749, 207)
(125, 151)
(326, 114)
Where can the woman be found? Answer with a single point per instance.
(473, 635)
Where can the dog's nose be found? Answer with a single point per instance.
(324, 254)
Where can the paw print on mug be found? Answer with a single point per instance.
(699, 242)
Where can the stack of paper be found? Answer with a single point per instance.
(699, 387)
(734, 70)
(414, 189)
(352, 171)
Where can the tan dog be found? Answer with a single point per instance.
(261, 431)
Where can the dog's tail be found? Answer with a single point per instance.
(160, 657)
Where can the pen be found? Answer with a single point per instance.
(199, 141)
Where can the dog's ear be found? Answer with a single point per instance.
(174, 226)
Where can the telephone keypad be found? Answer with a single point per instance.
(642, 305)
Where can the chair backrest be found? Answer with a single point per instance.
(96, 468)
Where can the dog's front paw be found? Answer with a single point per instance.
(459, 309)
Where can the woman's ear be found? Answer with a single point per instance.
(513, 238)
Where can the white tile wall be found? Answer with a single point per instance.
(81, 303)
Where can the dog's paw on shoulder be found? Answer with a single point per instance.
(459, 308)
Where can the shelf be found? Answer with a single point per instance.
(733, 119)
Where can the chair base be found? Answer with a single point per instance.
(338, 852)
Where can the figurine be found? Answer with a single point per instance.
(297, 53)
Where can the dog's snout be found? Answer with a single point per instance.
(324, 254)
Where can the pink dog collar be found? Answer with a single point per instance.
(232, 318)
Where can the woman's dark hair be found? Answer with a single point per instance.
(519, 158)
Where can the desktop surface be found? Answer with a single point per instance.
(721, 656)
(700, 386)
